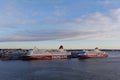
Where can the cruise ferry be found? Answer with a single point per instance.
(92, 54)
(48, 54)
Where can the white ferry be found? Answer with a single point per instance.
(48, 54)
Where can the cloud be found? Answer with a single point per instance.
(12, 14)
(103, 25)
(108, 2)
(36, 36)
(39, 35)
(97, 26)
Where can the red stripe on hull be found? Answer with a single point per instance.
(61, 56)
(92, 56)
(69, 56)
(39, 57)
(48, 57)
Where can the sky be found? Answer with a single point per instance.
(47, 24)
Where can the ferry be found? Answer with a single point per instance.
(47, 54)
(92, 54)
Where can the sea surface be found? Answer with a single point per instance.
(64, 69)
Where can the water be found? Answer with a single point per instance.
(66, 69)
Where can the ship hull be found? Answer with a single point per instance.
(42, 57)
(86, 56)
